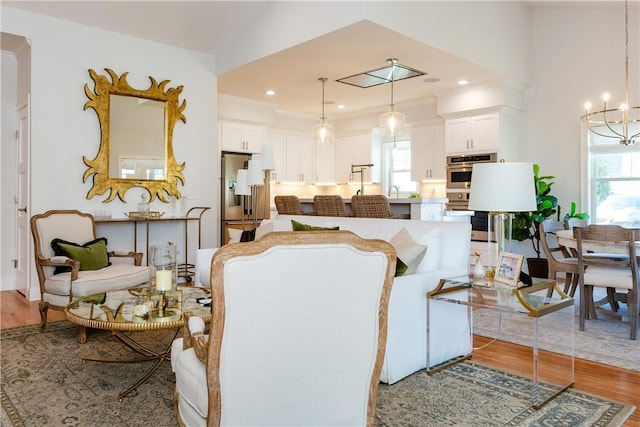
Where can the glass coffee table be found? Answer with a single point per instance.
(526, 313)
(138, 309)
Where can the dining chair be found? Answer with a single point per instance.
(292, 341)
(370, 206)
(288, 205)
(617, 273)
(329, 205)
(559, 258)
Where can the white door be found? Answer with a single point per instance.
(22, 208)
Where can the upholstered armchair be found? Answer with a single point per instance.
(297, 336)
(82, 265)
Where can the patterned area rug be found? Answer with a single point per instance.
(44, 382)
(604, 340)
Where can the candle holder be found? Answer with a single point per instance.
(169, 306)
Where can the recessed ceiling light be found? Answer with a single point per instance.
(341, 106)
(270, 92)
(463, 82)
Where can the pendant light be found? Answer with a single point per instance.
(323, 131)
(393, 123)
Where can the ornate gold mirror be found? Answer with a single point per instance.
(136, 143)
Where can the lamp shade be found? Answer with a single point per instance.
(255, 175)
(268, 158)
(242, 189)
(502, 187)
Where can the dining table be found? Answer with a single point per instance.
(566, 239)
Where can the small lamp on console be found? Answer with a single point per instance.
(500, 189)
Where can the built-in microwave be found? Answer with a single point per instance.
(459, 169)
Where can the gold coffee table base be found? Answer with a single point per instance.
(117, 311)
(148, 354)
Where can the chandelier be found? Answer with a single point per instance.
(393, 123)
(323, 131)
(611, 122)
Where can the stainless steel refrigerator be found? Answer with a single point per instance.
(232, 214)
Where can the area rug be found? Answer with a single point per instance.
(604, 340)
(44, 382)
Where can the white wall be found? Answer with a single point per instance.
(7, 159)
(578, 54)
(62, 132)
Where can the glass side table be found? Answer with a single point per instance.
(530, 318)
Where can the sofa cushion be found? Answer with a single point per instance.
(298, 226)
(410, 252)
(92, 255)
(239, 236)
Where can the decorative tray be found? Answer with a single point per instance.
(144, 215)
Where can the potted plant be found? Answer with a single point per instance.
(525, 225)
(573, 216)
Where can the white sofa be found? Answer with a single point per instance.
(448, 246)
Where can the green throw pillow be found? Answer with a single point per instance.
(92, 255)
(298, 226)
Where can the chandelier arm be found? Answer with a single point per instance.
(606, 122)
(594, 131)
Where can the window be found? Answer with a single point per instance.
(614, 181)
(396, 170)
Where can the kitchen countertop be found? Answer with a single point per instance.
(399, 200)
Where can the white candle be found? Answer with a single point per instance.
(163, 280)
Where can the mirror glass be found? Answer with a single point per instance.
(136, 137)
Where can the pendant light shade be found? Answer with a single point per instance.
(393, 123)
(323, 131)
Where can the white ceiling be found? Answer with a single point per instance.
(293, 73)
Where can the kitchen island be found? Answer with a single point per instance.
(426, 209)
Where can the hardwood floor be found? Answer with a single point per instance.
(602, 380)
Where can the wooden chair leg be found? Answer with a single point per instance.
(551, 276)
(583, 305)
(568, 277)
(611, 298)
(574, 285)
(44, 307)
(633, 307)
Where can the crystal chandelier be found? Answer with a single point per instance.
(323, 131)
(611, 122)
(393, 123)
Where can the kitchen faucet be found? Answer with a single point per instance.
(362, 167)
(391, 187)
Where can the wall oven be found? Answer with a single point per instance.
(459, 170)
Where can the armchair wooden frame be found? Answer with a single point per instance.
(43, 262)
(213, 354)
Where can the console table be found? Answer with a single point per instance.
(546, 317)
(186, 269)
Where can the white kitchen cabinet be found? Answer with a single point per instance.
(325, 162)
(355, 150)
(242, 138)
(294, 158)
(473, 134)
(279, 142)
(428, 160)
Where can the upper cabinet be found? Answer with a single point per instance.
(325, 162)
(428, 158)
(241, 138)
(356, 150)
(294, 158)
(473, 134)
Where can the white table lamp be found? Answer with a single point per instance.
(501, 188)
